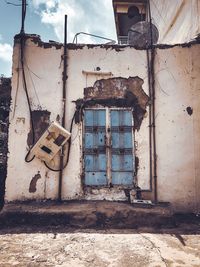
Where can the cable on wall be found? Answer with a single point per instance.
(24, 82)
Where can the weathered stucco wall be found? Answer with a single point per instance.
(177, 131)
(177, 125)
(44, 80)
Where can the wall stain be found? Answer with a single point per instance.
(58, 119)
(20, 119)
(41, 121)
(189, 110)
(33, 183)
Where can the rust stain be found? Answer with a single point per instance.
(33, 183)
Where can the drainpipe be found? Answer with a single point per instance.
(150, 123)
(23, 16)
(153, 108)
(154, 127)
(64, 108)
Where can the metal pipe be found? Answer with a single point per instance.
(23, 16)
(64, 107)
(153, 107)
(154, 127)
(93, 35)
(150, 122)
(149, 72)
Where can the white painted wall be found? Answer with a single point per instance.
(178, 145)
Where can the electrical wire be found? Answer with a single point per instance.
(22, 45)
(11, 3)
(33, 84)
(31, 70)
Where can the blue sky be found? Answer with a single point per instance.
(45, 17)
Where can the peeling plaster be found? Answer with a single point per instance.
(116, 92)
(37, 40)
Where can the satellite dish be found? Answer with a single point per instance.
(140, 35)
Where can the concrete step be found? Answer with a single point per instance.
(86, 214)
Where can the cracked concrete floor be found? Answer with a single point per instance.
(99, 248)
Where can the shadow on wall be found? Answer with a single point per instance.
(5, 98)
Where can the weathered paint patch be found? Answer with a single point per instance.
(33, 183)
(41, 121)
(116, 92)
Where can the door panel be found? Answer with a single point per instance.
(121, 164)
(122, 178)
(122, 168)
(118, 148)
(95, 149)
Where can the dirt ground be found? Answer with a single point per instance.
(60, 246)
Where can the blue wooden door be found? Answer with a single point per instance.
(111, 161)
(122, 164)
(95, 149)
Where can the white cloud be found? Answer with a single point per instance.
(6, 52)
(90, 16)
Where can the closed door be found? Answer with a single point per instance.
(108, 147)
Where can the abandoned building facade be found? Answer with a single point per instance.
(132, 110)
